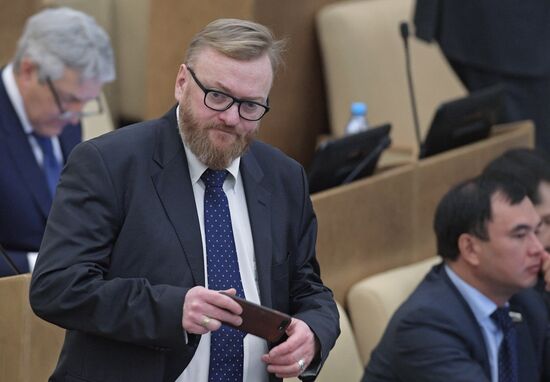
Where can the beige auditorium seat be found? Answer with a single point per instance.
(372, 302)
(29, 346)
(364, 60)
(107, 15)
(96, 125)
(343, 363)
(127, 23)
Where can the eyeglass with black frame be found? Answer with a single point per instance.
(67, 114)
(220, 101)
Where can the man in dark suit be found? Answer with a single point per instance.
(62, 60)
(127, 264)
(531, 168)
(450, 328)
(489, 42)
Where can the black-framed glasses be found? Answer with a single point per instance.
(92, 107)
(220, 101)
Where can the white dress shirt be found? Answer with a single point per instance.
(255, 370)
(482, 307)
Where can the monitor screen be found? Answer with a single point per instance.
(349, 158)
(465, 120)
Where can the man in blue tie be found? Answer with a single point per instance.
(475, 316)
(62, 60)
(151, 222)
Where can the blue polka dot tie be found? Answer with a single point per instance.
(226, 346)
(507, 354)
(50, 166)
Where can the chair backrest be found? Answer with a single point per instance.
(364, 61)
(372, 301)
(29, 346)
(95, 125)
(343, 362)
(127, 23)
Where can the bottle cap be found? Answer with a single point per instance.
(358, 108)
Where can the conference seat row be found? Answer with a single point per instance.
(370, 304)
(30, 346)
(397, 203)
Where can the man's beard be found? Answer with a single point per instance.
(196, 137)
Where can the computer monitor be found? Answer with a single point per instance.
(465, 120)
(349, 158)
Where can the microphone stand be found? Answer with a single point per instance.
(404, 30)
(381, 146)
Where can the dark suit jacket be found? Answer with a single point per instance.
(25, 199)
(508, 36)
(434, 337)
(123, 246)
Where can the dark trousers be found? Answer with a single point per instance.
(525, 97)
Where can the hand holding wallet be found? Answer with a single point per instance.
(261, 321)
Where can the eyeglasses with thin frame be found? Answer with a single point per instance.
(97, 106)
(220, 101)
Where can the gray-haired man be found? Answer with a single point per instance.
(62, 60)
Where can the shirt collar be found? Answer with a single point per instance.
(480, 304)
(8, 77)
(197, 168)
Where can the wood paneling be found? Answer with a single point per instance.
(298, 98)
(385, 221)
(12, 19)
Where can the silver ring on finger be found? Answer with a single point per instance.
(301, 365)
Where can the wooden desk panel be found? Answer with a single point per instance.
(29, 346)
(385, 221)
(364, 227)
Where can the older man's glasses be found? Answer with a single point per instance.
(220, 101)
(91, 108)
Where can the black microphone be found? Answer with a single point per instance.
(9, 261)
(404, 30)
(381, 146)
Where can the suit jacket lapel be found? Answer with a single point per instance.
(173, 185)
(22, 155)
(471, 327)
(258, 200)
(179, 203)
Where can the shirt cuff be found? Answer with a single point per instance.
(31, 258)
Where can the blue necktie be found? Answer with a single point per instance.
(507, 354)
(226, 346)
(50, 166)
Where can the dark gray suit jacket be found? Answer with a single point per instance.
(123, 246)
(507, 36)
(434, 337)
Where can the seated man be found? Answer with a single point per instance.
(531, 168)
(475, 316)
(62, 60)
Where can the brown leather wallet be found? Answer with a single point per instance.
(261, 321)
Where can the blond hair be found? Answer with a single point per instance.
(238, 39)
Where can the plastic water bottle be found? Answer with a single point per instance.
(358, 120)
